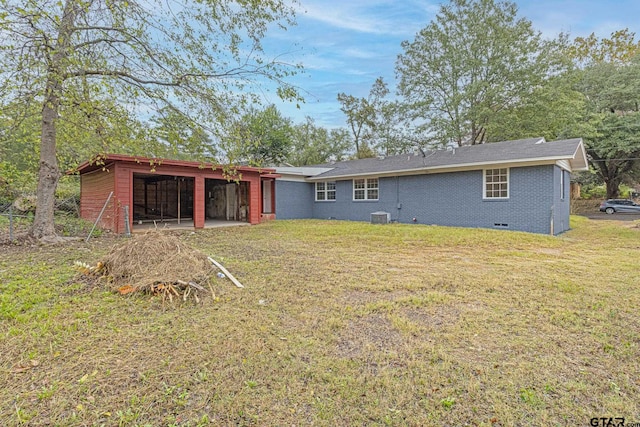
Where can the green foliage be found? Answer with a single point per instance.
(448, 402)
(620, 48)
(313, 144)
(181, 137)
(261, 137)
(547, 112)
(83, 69)
(593, 192)
(610, 84)
(363, 116)
(476, 59)
(14, 182)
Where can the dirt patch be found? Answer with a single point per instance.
(441, 317)
(373, 333)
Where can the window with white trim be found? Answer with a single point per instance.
(496, 183)
(325, 191)
(562, 185)
(365, 189)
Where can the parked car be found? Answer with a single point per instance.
(619, 205)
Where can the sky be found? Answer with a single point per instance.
(344, 45)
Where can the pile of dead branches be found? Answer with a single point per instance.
(157, 263)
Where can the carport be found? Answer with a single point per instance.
(147, 192)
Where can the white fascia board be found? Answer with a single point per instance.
(291, 178)
(580, 162)
(302, 171)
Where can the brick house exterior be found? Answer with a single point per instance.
(519, 185)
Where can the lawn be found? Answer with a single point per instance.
(339, 323)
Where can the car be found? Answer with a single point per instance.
(612, 206)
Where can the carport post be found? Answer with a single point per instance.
(198, 202)
(178, 200)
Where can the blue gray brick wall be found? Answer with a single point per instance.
(294, 200)
(451, 199)
(561, 200)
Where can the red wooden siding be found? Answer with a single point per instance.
(94, 191)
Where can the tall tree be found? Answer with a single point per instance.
(391, 133)
(314, 144)
(181, 137)
(362, 116)
(619, 49)
(260, 137)
(610, 126)
(548, 112)
(199, 56)
(476, 59)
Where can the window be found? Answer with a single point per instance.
(562, 189)
(365, 189)
(325, 191)
(496, 183)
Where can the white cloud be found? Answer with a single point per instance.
(370, 17)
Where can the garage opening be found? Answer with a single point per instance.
(226, 201)
(162, 198)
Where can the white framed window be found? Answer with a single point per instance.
(325, 191)
(562, 184)
(365, 189)
(496, 183)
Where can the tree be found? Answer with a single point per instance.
(181, 137)
(474, 61)
(550, 109)
(362, 116)
(391, 131)
(614, 149)
(313, 144)
(202, 57)
(619, 49)
(610, 124)
(261, 137)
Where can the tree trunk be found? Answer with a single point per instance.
(49, 174)
(613, 188)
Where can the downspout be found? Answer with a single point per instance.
(398, 204)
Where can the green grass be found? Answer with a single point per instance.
(339, 323)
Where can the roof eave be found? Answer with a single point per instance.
(156, 161)
(447, 168)
(579, 161)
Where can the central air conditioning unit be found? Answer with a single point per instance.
(380, 217)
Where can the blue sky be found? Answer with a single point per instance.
(345, 45)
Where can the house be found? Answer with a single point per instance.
(516, 185)
(144, 190)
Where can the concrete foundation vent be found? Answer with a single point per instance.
(380, 217)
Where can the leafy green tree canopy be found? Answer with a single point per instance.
(182, 137)
(260, 137)
(362, 116)
(609, 80)
(475, 60)
(314, 145)
(201, 57)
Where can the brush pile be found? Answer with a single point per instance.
(157, 263)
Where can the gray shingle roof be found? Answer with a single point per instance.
(523, 151)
